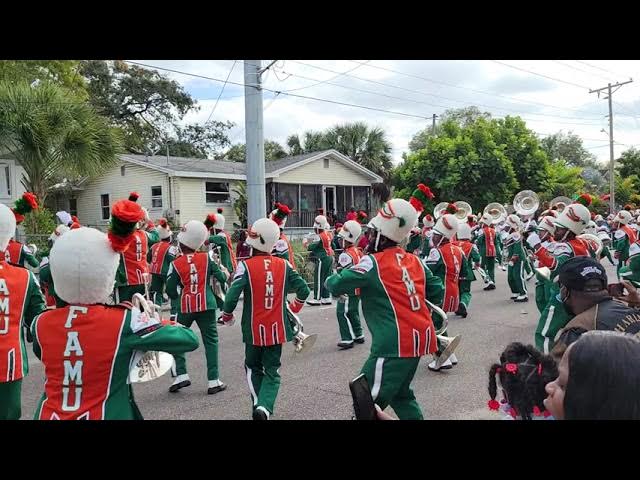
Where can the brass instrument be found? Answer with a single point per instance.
(593, 241)
(449, 343)
(441, 207)
(526, 203)
(214, 254)
(301, 341)
(464, 210)
(496, 211)
(560, 202)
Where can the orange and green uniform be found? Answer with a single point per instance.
(347, 309)
(222, 241)
(448, 262)
(624, 237)
(47, 286)
(189, 282)
(517, 261)
(20, 301)
(283, 249)
(160, 257)
(393, 287)
(554, 317)
(265, 281)
(86, 351)
(17, 254)
(473, 257)
(323, 255)
(134, 267)
(489, 248)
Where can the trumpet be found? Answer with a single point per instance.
(301, 341)
(449, 343)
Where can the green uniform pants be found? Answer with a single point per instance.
(206, 322)
(390, 380)
(553, 318)
(464, 286)
(516, 278)
(125, 293)
(607, 253)
(349, 318)
(488, 264)
(10, 405)
(543, 293)
(322, 271)
(262, 365)
(157, 289)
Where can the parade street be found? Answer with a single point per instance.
(315, 384)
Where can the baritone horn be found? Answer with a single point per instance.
(496, 211)
(526, 203)
(464, 210)
(449, 343)
(560, 202)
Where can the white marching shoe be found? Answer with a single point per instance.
(447, 365)
(453, 359)
(326, 301)
(313, 301)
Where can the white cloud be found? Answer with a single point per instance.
(423, 88)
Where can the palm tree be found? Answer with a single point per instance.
(53, 135)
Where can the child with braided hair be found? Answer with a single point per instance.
(523, 372)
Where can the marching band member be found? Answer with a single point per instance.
(86, 346)
(569, 224)
(221, 240)
(419, 239)
(46, 280)
(17, 253)
(473, 258)
(415, 240)
(282, 248)
(447, 261)
(393, 286)
(347, 308)
(489, 249)
(265, 281)
(546, 229)
(624, 237)
(133, 270)
(363, 219)
(323, 261)
(20, 302)
(427, 230)
(189, 279)
(160, 257)
(517, 259)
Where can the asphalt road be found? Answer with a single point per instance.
(315, 385)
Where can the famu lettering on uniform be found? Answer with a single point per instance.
(138, 249)
(72, 382)
(193, 275)
(414, 301)
(268, 291)
(4, 307)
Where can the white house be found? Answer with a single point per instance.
(182, 189)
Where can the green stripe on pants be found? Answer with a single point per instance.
(206, 322)
(322, 271)
(262, 366)
(488, 264)
(553, 318)
(390, 381)
(465, 292)
(10, 405)
(517, 282)
(349, 318)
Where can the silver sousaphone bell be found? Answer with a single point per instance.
(301, 341)
(449, 343)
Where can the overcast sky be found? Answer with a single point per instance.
(549, 95)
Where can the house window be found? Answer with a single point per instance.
(73, 206)
(217, 192)
(326, 163)
(104, 206)
(5, 180)
(288, 194)
(361, 198)
(156, 197)
(123, 170)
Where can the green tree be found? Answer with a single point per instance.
(240, 203)
(62, 72)
(568, 147)
(199, 141)
(629, 162)
(143, 103)
(562, 180)
(626, 187)
(272, 151)
(457, 164)
(311, 142)
(52, 135)
(522, 147)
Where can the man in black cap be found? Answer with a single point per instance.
(583, 291)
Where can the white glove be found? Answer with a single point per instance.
(534, 240)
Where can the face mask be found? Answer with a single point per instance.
(564, 300)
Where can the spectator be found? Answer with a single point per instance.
(243, 250)
(304, 203)
(599, 379)
(583, 290)
(523, 373)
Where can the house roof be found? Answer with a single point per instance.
(206, 168)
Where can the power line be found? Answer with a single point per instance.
(328, 80)
(602, 69)
(541, 75)
(436, 96)
(222, 90)
(581, 70)
(531, 102)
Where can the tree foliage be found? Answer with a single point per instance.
(199, 141)
(61, 72)
(272, 151)
(568, 147)
(629, 162)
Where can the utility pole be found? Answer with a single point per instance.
(433, 125)
(256, 194)
(608, 88)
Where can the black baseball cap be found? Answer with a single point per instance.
(576, 272)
